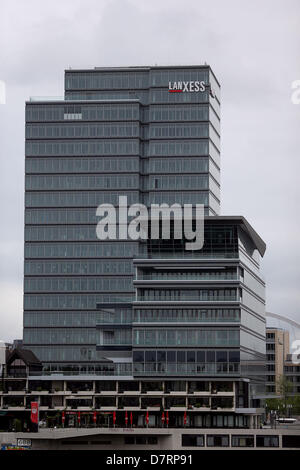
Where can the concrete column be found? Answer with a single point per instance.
(251, 424)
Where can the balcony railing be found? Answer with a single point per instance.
(188, 277)
(114, 369)
(186, 255)
(198, 368)
(188, 298)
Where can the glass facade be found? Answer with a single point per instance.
(118, 132)
(149, 307)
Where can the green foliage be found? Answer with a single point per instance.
(285, 387)
(17, 425)
(285, 404)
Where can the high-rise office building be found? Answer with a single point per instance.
(118, 132)
(147, 314)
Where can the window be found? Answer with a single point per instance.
(217, 441)
(140, 440)
(289, 441)
(242, 441)
(269, 441)
(192, 440)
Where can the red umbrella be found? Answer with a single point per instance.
(78, 417)
(95, 417)
(147, 418)
(63, 417)
(163, 418)
(167, 418)
(126, 418)
(114, 417)
(184, 418)
(131, 418)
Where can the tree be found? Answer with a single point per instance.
(285, 388)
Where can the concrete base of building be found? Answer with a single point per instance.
(154, 439)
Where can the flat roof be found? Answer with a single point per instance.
(139, 68)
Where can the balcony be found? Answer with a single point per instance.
(186, 369)
(185, 277)
(187, 298)
(113, 369)
(188, 255)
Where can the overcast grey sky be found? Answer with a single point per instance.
(253, 47)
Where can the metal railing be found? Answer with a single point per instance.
(197, 368)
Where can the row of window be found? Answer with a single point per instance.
(163, 76)
(230, 274)
(186, 337)
(60, 336)
(188, 294)
(87, 215)
(122, 284)
(177, 165)
(89, 200)
(126, 164)
(64, 353)
(72, 301)
(198, 182)
(116, 337)
(181, 315)
(192, 130)
(75, 233)
(179, 369)
(119, 130)
(133, 79)
(186, 197)
(78, 199)
(291, 369)
(117, 147)
(179, 112)
(97, 147)
(164, 96)
(218, 440)
(130, 95)
(102, 80)
(207, 356)
(80, 250)
(120, 112)
(80, 130)
(78, 267)
(62, 216)
(170, 148)
(89, 182)
(89, 112)
(81, 165)
(216, 241)
(70, 319)
(160, 96)
(94, 198)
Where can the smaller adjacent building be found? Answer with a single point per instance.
(292, 373)
(277, 348)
